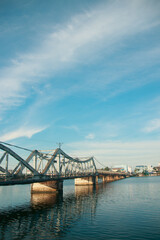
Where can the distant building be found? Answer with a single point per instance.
(129, 169)
(118, 169)
(122, 168)
(141, 168)
(157, 169)
(150, 168)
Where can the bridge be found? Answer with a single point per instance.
(47, 169)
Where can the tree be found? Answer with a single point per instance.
(107, 168)
(145, 172)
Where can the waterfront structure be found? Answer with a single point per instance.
(118, 169)
(129, 169)
(122, 168)
(157, 169)
(150, 168)
(144, 168)
(141, 168)
(47, 171)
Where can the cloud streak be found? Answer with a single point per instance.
(153, 126)
(81, 38)
(21, 132)
(111, 153)
(90, 136)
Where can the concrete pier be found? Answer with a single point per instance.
(57, 185)
(86, 181)
(111, 178)
(83, 190)
(108, 178)
(47, 187)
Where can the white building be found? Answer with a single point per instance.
(129, 169)
(141, 168)
(150, 168)
(122, 168)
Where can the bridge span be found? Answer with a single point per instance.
(46, 170)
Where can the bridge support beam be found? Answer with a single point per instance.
(116, 177)
(86, 181)
(108, 178)
(111, 178)
(122, 177)
(47, 187)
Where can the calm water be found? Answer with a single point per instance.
(125, 209)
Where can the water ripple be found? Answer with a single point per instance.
(127, 209)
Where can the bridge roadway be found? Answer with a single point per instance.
(106, 176)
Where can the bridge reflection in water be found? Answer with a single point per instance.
(49, 215)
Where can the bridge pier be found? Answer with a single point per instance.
(116, 177)
(122, 177)
(108, 178)
(47, 187)
(92, 180)
(111, 178)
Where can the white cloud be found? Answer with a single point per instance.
(79, 39)
(117, 152)
(153, 125)
(108, 129)
(90, 136)
(72, 127)
(21, 132)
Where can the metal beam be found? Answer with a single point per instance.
(22, 166)
(15, 155)
(73, 159)
(45, 170)
(1, 160)
(4, 170)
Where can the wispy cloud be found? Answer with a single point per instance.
(21, 132)
(110, 153)
(72, 127)
(90, 136)
(152, 126)
(79, 39)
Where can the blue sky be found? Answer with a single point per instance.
(85, 73)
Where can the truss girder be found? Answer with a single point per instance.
(3, 156)
(73, 159)
(50, 162)
(20, 166)
(4, 171)
(60, 163)
(21, 160)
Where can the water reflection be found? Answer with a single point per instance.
(45, 200)
(127, 209)
(83, 190)
(48, 216)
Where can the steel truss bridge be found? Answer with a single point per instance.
(42, 166)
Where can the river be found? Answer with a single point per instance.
(125, 209)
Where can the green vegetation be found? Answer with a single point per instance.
(106, 168)
(145, 173)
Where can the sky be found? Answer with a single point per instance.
(84, 73)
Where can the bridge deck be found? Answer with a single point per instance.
(29, 179)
